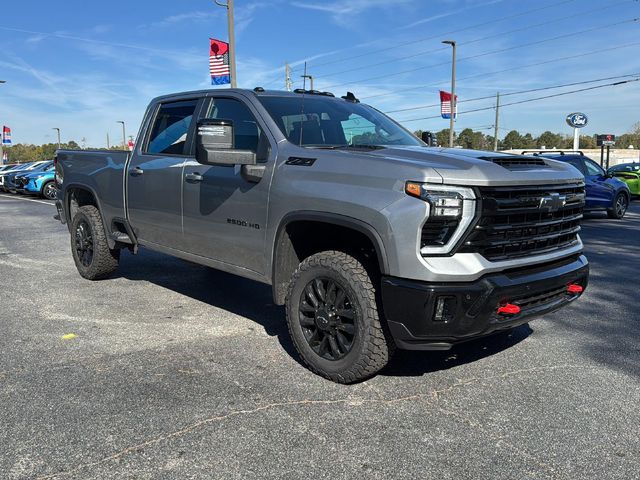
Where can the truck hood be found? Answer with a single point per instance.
(482, 168)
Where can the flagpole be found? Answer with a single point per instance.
(452, 103)
(232, 39)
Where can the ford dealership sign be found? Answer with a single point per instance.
(577, 120)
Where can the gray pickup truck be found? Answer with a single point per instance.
(372, 239)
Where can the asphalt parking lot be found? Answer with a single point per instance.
(179, 371)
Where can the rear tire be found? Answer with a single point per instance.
(333, 319)
(619, 207)
(91, 253)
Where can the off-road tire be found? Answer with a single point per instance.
(104, 260)
(372, 346)
(618, 209)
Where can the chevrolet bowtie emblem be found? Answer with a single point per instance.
(553, 202)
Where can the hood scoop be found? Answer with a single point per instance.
(516, 162)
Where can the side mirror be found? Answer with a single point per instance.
(215, 144)
(429, 138)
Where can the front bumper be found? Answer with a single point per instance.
(411, 307)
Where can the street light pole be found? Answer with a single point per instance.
(310, 77)
(57, 130)
(232, 39)
(124, 135)
(453, 89)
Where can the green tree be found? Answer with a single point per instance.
(512, 140)
(443, 137)
(630, 138)
(549, 140)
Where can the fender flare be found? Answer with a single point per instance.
(67, 207)
(336, 219)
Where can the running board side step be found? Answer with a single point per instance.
(121, 237)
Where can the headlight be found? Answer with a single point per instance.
(451, 212)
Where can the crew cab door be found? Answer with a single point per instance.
(225, 215)
(154, 175)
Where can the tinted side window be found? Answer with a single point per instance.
(593, 168)
(245, 128)
(170, 128)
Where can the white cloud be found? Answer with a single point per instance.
(344, 12)
(196, 16)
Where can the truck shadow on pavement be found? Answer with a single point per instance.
(253, 300)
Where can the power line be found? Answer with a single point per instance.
(492, 52)
(516, 93)
(516, 30)
(510, 69)
(529, 100)
(451, 32)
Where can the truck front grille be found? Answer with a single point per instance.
(524, 221)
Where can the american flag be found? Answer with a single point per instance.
(445, 105)
(219, 62)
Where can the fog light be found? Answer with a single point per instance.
(445, 309)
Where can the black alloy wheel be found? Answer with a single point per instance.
(84, 243)
(328, 318)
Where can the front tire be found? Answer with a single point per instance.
(91, 253)
(619, 207)
(49, 190)
(333, 319)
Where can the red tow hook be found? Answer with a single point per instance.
(508, 309)
(574, 288)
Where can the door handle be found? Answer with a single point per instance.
(193, 177)
(136, 172)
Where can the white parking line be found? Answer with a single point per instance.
(5, 195)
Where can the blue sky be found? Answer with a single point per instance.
(82, 66)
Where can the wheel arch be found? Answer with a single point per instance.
(286, 258)
(78, 195)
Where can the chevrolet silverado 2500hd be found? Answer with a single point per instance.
(370, 238)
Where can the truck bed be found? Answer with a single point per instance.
(100, 171)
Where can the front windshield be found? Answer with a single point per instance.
(313, 121)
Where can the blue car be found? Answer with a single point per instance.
(604, 191)
(40, 183)
(9, 176)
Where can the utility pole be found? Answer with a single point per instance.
(453, 89)
(232, 39)
(124, 135)
(495, 130)
(57, 130)
(108, 144)
(288, 84)
(310, 77)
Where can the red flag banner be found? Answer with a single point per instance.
(219, 62)
(445, 105)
